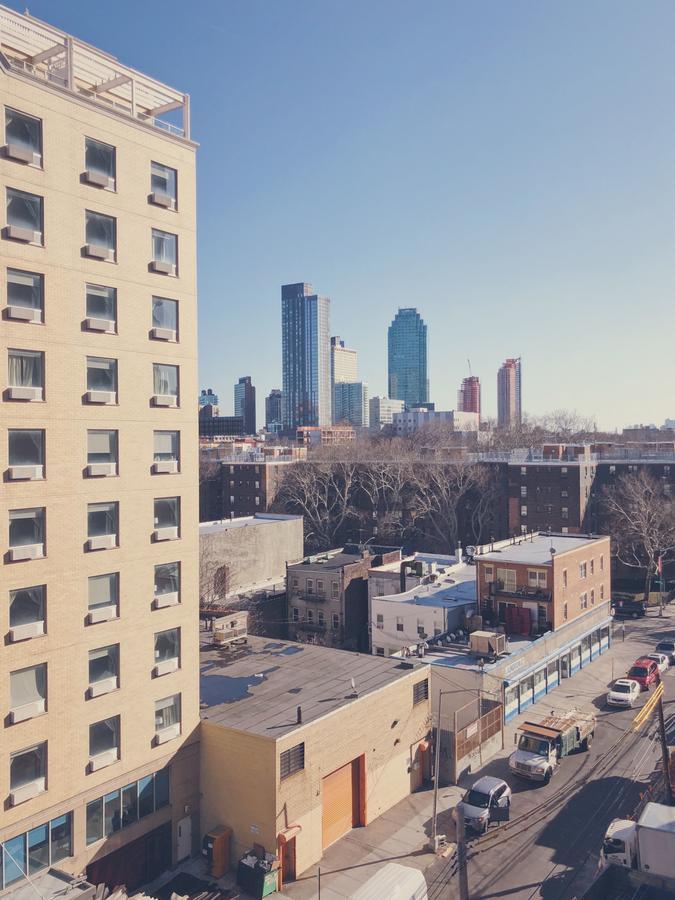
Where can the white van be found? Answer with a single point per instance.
(395, 882)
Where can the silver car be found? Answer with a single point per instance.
(488, 801)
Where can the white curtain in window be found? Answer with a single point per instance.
(25, 368)
(163, 247)
(164, 313)
(28, 686)
(26, 605)
(163, 179)
(26, 447)
(22, 130)
(167, 579)
(100, 158)
(102, 590)
(166, 379)
(167, 712)
(24, 210)
(166, 445)
(26, 526)
(24, 289)
(101, 302)
(100, 230)
(101, 374)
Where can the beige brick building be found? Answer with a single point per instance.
(98, 452)
(295, 753)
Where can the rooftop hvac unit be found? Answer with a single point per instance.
(487, 643)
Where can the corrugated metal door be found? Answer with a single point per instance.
(340, 792)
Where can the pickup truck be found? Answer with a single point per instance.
(541, 745)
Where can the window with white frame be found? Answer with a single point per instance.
(28, 692)
(379, 621)
(166, 446)
(564, 577)
(167, 714)
(165, 380)
(335, 590)
(583, 601)
(23, 137)
(507, 578)
(564, 512)
(592, 597)
(310, 615)
(104, 737)
(24, 216)
(167, 513)
(399, 623)
(102, 374)
(488, 573)
(320, 618)
(27, 608)
(523, 490)
(99, 161)
(100, 235)
(582, 570)
(295, 614)
(25, 295)
(26, 448)
(26, 370)
(163, 185)
(592, 567)
(536, 578)
(101, 304)
(336, 621)
(164, 251)
(164, 318)
(104, 664)
(102, 448)
(27, 527)
(523, 510)
(102, 519)
(28, 767)
(167, 578)
(103, 591)
(167, 645)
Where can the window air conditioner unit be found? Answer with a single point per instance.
(97, 251)
(165, 400)
(27, 235)
(102, 542)
(102, 760)
(16, 392)
(167, 734)
(98, 470)
(165, 467)
(27, 711)
(105, 686)
(163, 268)
(21, 154)
(166, 666)
(24, 313)
(102, 614)
(27, 791)
(170, 533)
(24, 632)
(164, 334)
(161, 199)
(26, 551)
(105, 325)
(25, 473)
(99, 179)
(107, 397)
(162, 600)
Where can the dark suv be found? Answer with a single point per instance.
(667, 648)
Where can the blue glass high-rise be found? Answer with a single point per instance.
(305, 330)
(408, 358)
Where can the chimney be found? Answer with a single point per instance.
(459, 551)
(298, 720)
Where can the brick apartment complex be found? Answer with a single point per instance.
(98, 513)
(328, 596)
(543, 582)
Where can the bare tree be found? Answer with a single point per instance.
(440, 499)
(215, 577)
(641, 519)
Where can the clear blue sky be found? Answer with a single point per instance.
(506, 167)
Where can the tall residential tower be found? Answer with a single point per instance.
(509, 404)
(244, 403)
(99, 510)
(468, 396)
(408, 358)
(305, 329)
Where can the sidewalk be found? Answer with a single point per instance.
(402, 833)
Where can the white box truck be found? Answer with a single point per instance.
(646, 847)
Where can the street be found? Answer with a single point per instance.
(550, 847)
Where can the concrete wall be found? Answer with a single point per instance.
(254, 552)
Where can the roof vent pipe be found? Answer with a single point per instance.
(299, 716)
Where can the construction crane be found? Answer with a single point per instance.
(470, 372)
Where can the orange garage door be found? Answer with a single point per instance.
(340, 802)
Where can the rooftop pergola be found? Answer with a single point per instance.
(38, 50)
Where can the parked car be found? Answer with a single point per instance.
(644, 671)
(661, 660)
(624, 692)
(667, 648)
(487, 801)
(628, 607)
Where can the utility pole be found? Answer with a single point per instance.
(664, 747)
(437, 762)
(462, 873)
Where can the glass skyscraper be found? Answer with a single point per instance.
(305, 330)
(408, 358)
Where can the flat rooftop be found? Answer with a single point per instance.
(328, 562)
(244, 522)
(439, 558)
(258, 688)
(536, 550)
(455, 587)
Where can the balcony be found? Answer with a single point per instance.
(309, 598)
(533, 594)
(310, 626)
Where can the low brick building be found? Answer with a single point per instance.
(301, 744)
